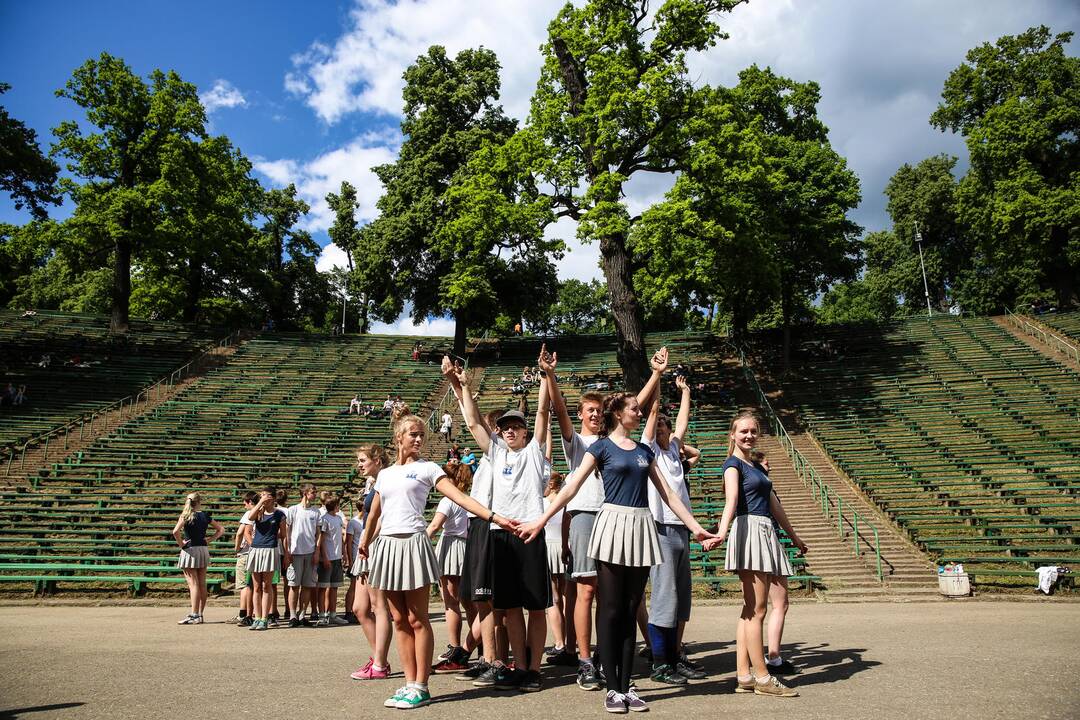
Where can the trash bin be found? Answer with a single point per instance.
(954, 585)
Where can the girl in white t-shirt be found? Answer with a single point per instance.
(403, 564)
(454, 522)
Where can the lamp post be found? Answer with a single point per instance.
(922, 264)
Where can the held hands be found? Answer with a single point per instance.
(659, 360)
(547, 361)
(507, 524)
(529, 531)
(714, 541)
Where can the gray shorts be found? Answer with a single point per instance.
(581, 525)
(302, 571)
(332, 576)
(669, 602)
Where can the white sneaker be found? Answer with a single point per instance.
(323, 622)
(338, 620)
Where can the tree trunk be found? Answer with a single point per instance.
(625, 308)
(364, 325)
(121, 285)
(461, 337)
(194, 289)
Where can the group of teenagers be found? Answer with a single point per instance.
(519, 547)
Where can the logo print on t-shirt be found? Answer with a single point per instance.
(411, 476)
(642, 461)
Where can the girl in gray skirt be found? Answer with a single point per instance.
(369, 604)
(403, 564)
(194, 553)
(624, 540)
(268, 531)
(753, 550)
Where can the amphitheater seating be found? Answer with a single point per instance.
(1065, 323)
(964, 436)
(88, 368)
(272, 415)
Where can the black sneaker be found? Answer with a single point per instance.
(667, 675)
(488, 677)
(274, 618)
(508, 678)
(688, 671)
(784, 668)
(563, 659)
(587, 677)
(553, 651)
(645, 652)
(475, 671)
(245, 621)
(530, 681)
(294, 622)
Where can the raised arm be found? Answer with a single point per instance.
(573, 483)
(673, 501)
(648, 434)
(659, 365)
(546, 370)
(682, 423)
(692, 454)
(558, 402)
(459, 381)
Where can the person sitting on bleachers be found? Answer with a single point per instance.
(355, 403)
(20, 396)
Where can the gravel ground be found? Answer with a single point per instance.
(869, 660)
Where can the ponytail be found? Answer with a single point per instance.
(192, 501)
(741, 415)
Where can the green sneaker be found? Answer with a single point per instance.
(413, 698)
(398, 694)
(667, 675)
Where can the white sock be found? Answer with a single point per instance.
(763, 680)
(744, 678)
(775, 661)
(377, 667)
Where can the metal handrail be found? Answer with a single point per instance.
(132, 403)
(831, 501)
(1062, 345)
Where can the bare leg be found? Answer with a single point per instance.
(403, 632)
(472, 622)
(778, 596)
(193, 592)
(583, 617)
(362, 609)
(515, 631)
(537, 634)
(570, 605)
(555, 612)
(748, 641)
(449, 585)
(384, 627)
(294, 600)
(200, 585)
(424, 638)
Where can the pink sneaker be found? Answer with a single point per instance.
(369, 672)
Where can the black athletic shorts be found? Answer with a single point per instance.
(476, 575)
(522, 578)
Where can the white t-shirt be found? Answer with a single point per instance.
(553, 528)
(355, 528)
(447, 421)
(403, 491)
(303, 522)
(481, 482)
(457, 520)
(518, 480)
(590, 496)
(245, 545)
(670, 466)
(330, 524)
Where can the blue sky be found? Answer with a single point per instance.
(311, 91)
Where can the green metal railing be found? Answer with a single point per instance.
(1048, 338)
(832, 503)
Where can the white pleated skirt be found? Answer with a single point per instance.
(194, 557)
(362, 565)
(556, 566)
(403, 562)
(752, 544)
(625, 536)
(451, 554)
(263, 560)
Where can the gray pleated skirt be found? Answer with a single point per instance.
(625, 536)
(451, 554)
(403, 562)
(362, 565)
(752, 544)
(264, 560)
(556, 566)
(194, 557)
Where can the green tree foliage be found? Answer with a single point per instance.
(758, 218)
(1017, 104)
(612, 99)
(134, 125)
(295, 294)
(368, 280)
(450, 236)
(25, 173)
(580, 307)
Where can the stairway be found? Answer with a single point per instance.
(908, 573)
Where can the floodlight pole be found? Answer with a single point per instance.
(922, 264)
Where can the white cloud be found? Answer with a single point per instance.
(222, 95)
(361, 70)
(442, 327)
(324, 174)
(332, 256)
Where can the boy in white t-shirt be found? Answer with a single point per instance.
(242, 546)
(302, 520)
(330, 553)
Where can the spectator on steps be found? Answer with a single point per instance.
(190, 535)
(468, 457)
(20, 396)
(446, 426)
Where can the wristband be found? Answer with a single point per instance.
(492, 518)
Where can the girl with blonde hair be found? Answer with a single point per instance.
(190, 535)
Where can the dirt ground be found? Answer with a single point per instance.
(872, 660)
